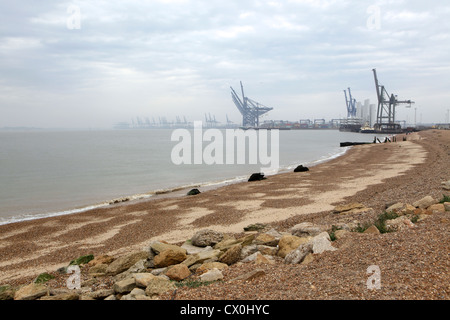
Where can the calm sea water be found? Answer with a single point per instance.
(47, 173)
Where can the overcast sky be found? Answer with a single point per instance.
(90, 64)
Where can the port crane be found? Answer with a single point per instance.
(386, 109)
(351, 104)
(250, 109)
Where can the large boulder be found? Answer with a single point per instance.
(289, 243)
(232, 255)
(159, 286)
(143, 279)
(211, 275)
(322, 243)
(206, 237)
(178, 272)
(125, 286)
(425, 202)
(157, 247)
(298, 255)
(123, 263)
(169, 257)
(201, 257)
(306, 229)
(32, 291)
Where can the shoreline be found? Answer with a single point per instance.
(31, 247)
(170, 192)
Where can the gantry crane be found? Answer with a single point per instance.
(386, 109)
(351, 104)
(250, 109)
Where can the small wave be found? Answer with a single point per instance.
(27, 217)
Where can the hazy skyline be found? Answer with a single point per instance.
(90, 64)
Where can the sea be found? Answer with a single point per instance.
(45, 173)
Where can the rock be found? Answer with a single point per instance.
(425, 202)
(306, 229)
(191, 249)
(201, 257)
(247, 239)
(296, 256)
(143, 279)
(103, 259)
(125, 285)
(258, 258)
(301, 168)
(137, 292)
(446, 185)
(266, 250)
(447, 206)
(349, 208)
(178, 272)
(99, 294)
(322, 243)
(206, 237)
(248, 250)
(226, 244)
(277, 235)
(309, 258)
(123, 263)
(255, 227)
(372, 230)
(193, 192)
(407, 209)
(401, 208)
(211, 265)
(339, 234)
(262, 259)
(437, 208)
(232, 255)
(62, 297)
(98, 269)
(266, 239)
(256, 177)
(395, 207)
(212, 275)
(169, 257)
(157, 247)
(32, 291)
(399, 223)
(250, 275)
(289, 243)
(158, 286)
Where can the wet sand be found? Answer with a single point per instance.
(372, 174)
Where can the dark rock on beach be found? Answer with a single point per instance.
(301, 168)
(193, 192)
(256, 177)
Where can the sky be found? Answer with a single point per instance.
(91, 64)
